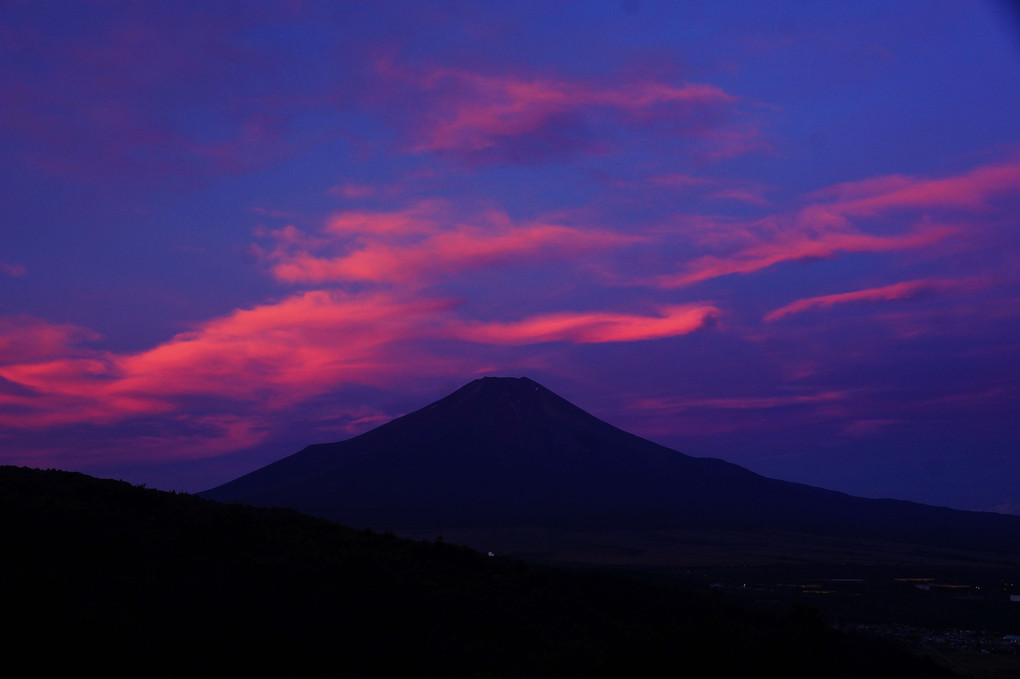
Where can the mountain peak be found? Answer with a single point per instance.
(492, 379)
(491, 384)
(506, 451)
(503, 404)
(500, 385)
(499, 448)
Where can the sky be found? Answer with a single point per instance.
(782, 234)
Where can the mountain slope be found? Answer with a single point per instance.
(508, 452)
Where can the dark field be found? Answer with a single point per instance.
(950, 605)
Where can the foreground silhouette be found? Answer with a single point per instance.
(102, 575)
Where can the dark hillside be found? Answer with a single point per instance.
(101, 575)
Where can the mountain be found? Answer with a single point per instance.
(502, 452)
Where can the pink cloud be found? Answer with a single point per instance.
(867, 428)
(477, 112)
(970, 191)
(798, 245)
(425, 217)
(268, 356)
(353, 191)
(739, 403)
(284, 351)
(14, 270)
(528, 118)
(425, 242)
(24, 339)
(594, 327)
(183, 397)
(904, 290)
(713, 188)
(836, 222)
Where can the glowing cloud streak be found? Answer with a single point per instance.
(585, 328)
(270, 356)
(799, 246)
(422, 243)
(24, 339)
(13, 270)
(904, 290)
(740, 403)
(276, 355)
(490, 108)
(829, 226)
(468, 112)
(971, 191)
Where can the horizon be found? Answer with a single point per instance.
(781, 236)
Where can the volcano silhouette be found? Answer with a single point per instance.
(503, 452)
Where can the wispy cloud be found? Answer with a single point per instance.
(424, 242)
(715, 188)
(272, 356)
(797, 244)
(698, 416)
(525, 119)
(971, 191)
(838, 220)
(903, 290)
(14, 270)
(594, 327)
(267, 356)
(740, 403)
(26, 339)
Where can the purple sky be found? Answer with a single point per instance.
(784, 234)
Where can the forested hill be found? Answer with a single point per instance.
(103, 575)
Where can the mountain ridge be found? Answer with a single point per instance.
(504, 452)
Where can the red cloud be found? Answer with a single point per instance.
(832, 224)
(485, 109)
(13, 269)
(424, 218)
(424, 242)
(25, 339)
(271, 357)
(970, 191)
(798, 245)
(267, 356)
(596, 327)
(902, 290)
(470, 113)
(219, 387)
(283, 352)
